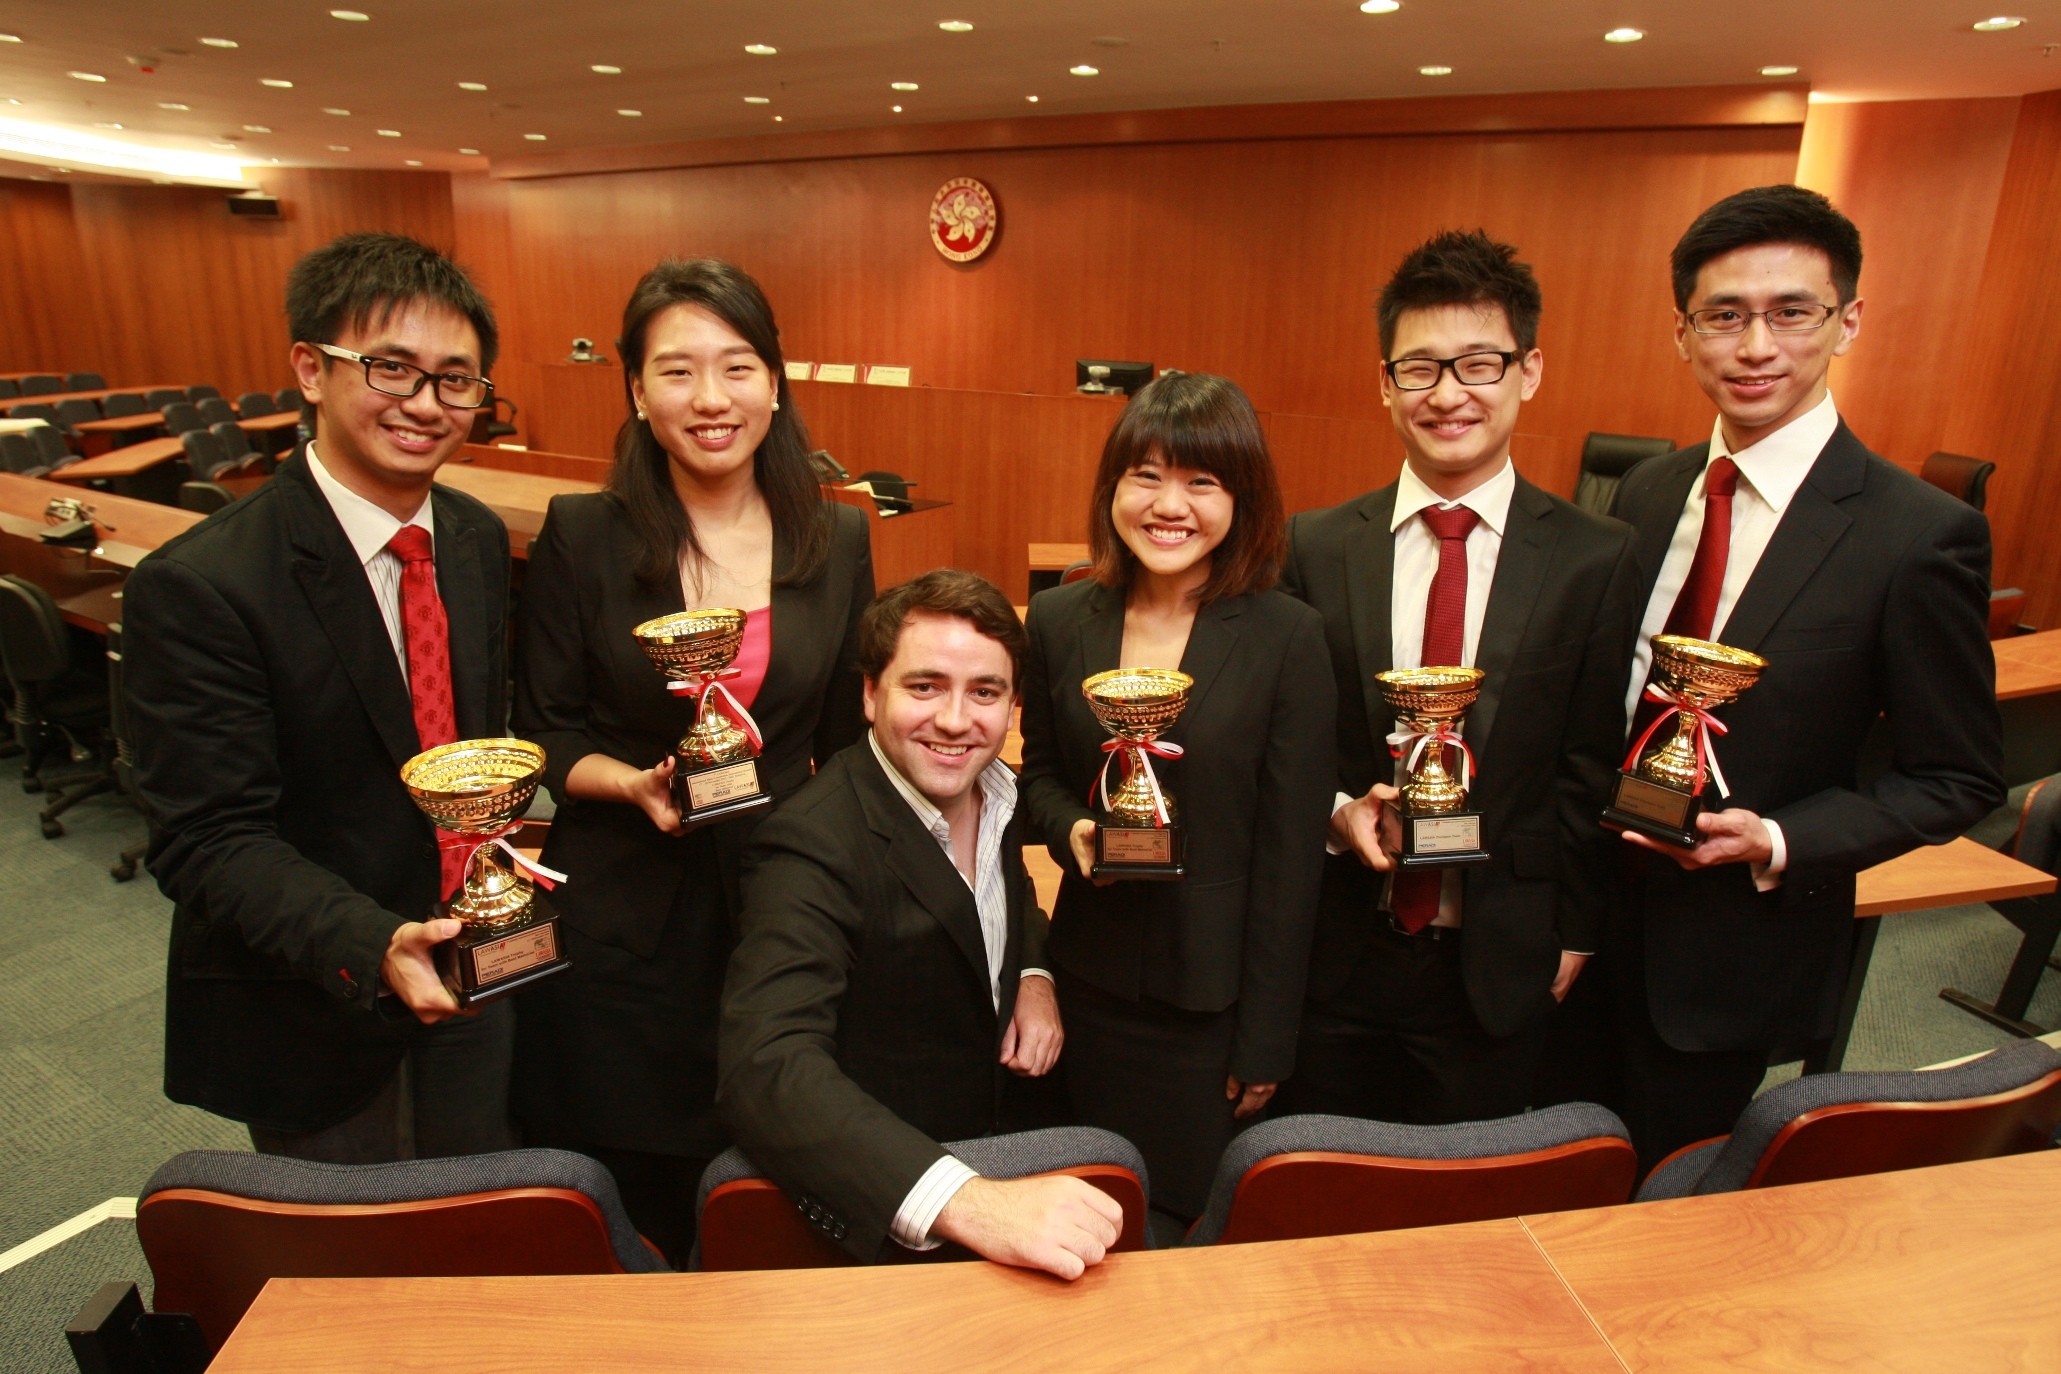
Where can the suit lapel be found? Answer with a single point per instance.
(465, 607)
(334, 581)
(1807, 532)
(917, 861)
(1521, 567)
(1369, 593)
(1102, 631)
(1654, 528)
(1210, 641)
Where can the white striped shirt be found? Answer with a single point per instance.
(370, 529)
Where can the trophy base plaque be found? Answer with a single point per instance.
(487, 963)
(1441, 839)
(1655, 810)
(714, 791)
(1150, 852)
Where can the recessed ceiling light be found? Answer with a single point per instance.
(219, 42)
(1999, 23)
(1624, 35)
(221, 143)
(472, 85)
(1032, 99)
(1434, 71)
(339, 148)
(257, 128)
(1380, 6)
(955, 26)
(1085, 70)
(758, 100)
(776, 119)
(355, 16)
(1778, 71)
(901, 85)
(761, 49)
(536, 138)
(275, 83)
(102, 125)
(85, 76)
(897, 109)
(331, 109)
(470, 152)
(414, 162)
(172, 105)
(388, 133)
(605, 69)
(631, 114)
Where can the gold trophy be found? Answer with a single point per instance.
(1136, 834)
(480, 788)
(1660, 789)
(1438, 828)
(716, 765)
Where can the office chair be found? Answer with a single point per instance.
(1842, 1125)
(79, 410)
(234, 439)
(36, 410)
(1606, 458)
(85, 381)
(42, 384)
(214, 410)
(124, 754)
(9, 388)
(1299, 1176)
(288, 398)
(124, 403)
(204, 455)
(890, 486)
(2038, 843)
(58, 708)
(18, 454)
(51, 450)
(748, 1222)
(2006, 604)
(181, 416)
(251, 404)
(160, 397)
(1964, 478)
(216, 1224)
(1076, 570)
(201, 393)
(204, 497)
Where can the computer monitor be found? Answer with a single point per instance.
(1122, 379)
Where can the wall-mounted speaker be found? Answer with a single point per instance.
(255, 204)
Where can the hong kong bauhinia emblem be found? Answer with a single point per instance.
(963, 219)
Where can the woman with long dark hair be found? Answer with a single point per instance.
(1182, 999)
(712, 502)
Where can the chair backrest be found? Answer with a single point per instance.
(204, 497)
(1959, 475)
(1606, 458)
(33, 410)
(2006, 604)
(216, 1224)
(123, 403)
(159, 397)
(42, 384)
(51, 447)
(201, 392)
(18, 452)
(215, 410)
(204, 454)
(748, 1222)
(84, 381)
(234, 438)
(33, 645)
(1076, 570)
(9, 388)
(181, 416)
(1300, 1176)
(78, 410)
(288, 398)
(252, 404)
(888, 484)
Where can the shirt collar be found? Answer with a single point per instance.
(1777, 465)
(997, 787)
(367, 526)
(1490, 500)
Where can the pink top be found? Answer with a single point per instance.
(752, 656)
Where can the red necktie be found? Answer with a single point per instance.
(427, 634)
(1413, 896)
(1695, 609)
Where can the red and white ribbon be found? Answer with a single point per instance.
(736, 711)
(547, 878)
(1110, 749)
(1439, 736)
(1706, 748)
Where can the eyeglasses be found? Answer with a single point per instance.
(1783, 319)
(396, 378)
(1469, 369)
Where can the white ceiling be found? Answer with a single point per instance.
(684, 64)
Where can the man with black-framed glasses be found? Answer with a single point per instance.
(1430, 988)
(1867, 593)
(284, 658)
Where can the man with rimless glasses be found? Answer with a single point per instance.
(1429, 987)
(285, 657)
(1867, 592)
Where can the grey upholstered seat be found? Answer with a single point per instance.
(1725, 1165)
(1512, 1135)
(274, 1178)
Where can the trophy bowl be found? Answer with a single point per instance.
(1430, 695)
(1137, 835)
(475, 786)
(1706, 673)
(692, 643)
(1137, 704)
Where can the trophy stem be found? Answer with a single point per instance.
(1675, 762)
(494, 894)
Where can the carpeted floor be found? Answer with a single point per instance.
(82, 1117)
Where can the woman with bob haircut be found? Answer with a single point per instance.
(712, 502)
(1181, 999)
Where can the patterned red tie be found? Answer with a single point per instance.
(1695, 608)
(1413, 896)
(427, 634)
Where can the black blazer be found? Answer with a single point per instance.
(858, 1029)
(1872, 600)
(584, 686)
(1253, 794)
(1547, 732)
(271, 719)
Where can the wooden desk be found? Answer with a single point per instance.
(1930, 1269)
(102, 394)
(266, 424)
(2029, 665)
(906, 543)
(1048, 561)
(101, 435)
(536, 461)
(94, 610)
(519, 498)
(85, 584)
(137, 471)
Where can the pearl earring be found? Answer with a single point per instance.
(776, 405)
(640, 414)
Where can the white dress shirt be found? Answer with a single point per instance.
(1769, 474)
(996, 790)
(370, 529)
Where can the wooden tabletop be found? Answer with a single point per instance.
(130, 529)
(519, 498)
(259, 424)
(1930, 1269)
(121, 462)
(120, 424)
(93, 610)
(1951, 874)
(2028, 665)
(1056, 557)
(102, 394)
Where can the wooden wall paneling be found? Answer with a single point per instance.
(42, 326)
(1921, 179)
(2006, 407)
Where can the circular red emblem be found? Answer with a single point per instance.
(963, 219)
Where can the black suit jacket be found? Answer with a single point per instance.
(1871, 600)
(271, 720)
(1547, 733)
(1252, 794)
(584, 686)
(858, 1028)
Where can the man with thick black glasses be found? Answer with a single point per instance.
(1429, 988)
(285, 657)
(1867, 592)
